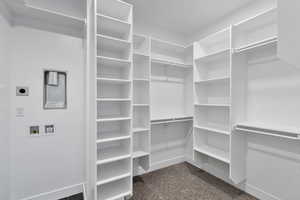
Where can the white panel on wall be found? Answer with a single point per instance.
(4, 109)
(289, 41)
(56, 161)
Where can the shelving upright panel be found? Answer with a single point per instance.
(171, 102)
(141, 104)
(113, 37)
(212, 99)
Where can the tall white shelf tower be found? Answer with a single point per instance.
(113, 37)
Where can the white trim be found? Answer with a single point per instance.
(59, 193)
(258, 193)
(166, 163)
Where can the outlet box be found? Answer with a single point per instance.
(34, 130)
(49, 129)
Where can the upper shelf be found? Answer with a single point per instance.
(116, 9)
(213, 45)
(261, 27)
(170, 63)
(45, 19)
(175, 53)
(113, 27)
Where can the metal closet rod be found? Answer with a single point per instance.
(171, 120)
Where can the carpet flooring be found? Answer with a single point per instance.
(184, 182)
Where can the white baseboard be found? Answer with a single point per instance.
(166, 163)
(59, 193)
(260, 194)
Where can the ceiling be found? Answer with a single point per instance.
(183, 17)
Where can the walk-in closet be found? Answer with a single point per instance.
(149, 100)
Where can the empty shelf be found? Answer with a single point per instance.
(141, 105)
(141, 79)
(214, 56)
(113, 81)
(113, 62)
(214, 153)
(213, 105)
(170, 63)
(47, 19)
(111, 155)
(112, 176)
(113, 26)
(113, 99)
(220, 79)
(112, 137)
(115, 8)
(141, 54)
(139, 154)
(216, 130)
(113, 43)
(113, 119)
(136, 130)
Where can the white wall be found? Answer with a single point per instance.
(256, 7)
(43, 164)
(4, 109)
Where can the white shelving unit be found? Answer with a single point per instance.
(212, 99)
(171, 103)
(113, 36)
(50, 17)
(161, 103)
(141, 104)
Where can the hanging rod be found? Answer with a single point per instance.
(256, 129)
(171, 120)
(261, 43)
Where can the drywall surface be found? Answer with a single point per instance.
(45, 163)
(4, 108)
(250, 10)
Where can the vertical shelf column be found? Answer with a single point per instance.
(113, 106)
(212, 101)
(141, 104)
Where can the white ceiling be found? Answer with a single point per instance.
(183, 17)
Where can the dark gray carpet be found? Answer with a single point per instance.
(184, 182)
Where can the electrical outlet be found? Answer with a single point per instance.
(49, 129)
(34, 130)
